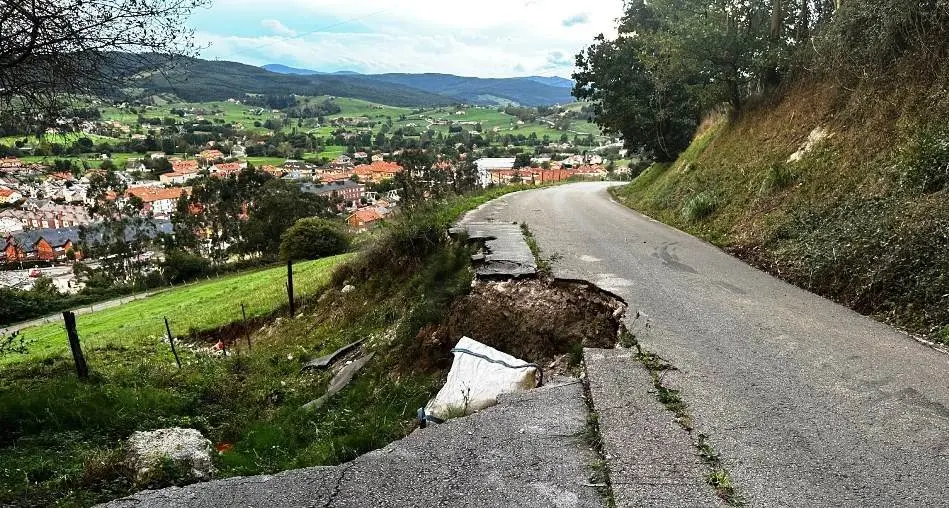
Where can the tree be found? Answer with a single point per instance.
(121, 232)
(412, 182)
(54, 50)
(313, 238)
(522, 160)
(277, 206)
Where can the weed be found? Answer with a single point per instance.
(544, 265)
(778, 178)
(701, 206)
(600, 471)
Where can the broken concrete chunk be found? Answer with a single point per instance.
(478, 375)
(339, 381)
(325, 361)
(185, 448)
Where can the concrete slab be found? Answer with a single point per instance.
(526, 451)
(651, 458)
(508, 254)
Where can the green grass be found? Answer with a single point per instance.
(66, 139)
(200, 306)
(264, 161)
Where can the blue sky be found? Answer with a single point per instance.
(487, 38)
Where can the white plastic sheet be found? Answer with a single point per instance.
(478, 375)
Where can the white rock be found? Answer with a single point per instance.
(184, 447)
(348, 288)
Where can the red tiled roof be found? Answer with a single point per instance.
(152, 194)
(366, 215)
(185, 166)
(378, 167)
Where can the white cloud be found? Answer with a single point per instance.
(492, 38)
(277, 27)
(577, 19)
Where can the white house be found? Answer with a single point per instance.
(488, 164)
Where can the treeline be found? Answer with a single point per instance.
(677, 59)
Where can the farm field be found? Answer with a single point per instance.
(66, 139)
(197, 307)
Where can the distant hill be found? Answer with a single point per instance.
(556, 81)
(528, 91)
(199, 80)
(284, 69)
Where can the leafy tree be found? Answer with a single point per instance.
(522, 160)
(179, 266)
(121, 233)
(277, 206)
(53, 50)
(313, 238)
(415, 180)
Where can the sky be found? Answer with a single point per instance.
(484, 38)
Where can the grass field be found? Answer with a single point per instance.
(197, 307)
(64, 139)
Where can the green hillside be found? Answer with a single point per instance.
(862, 217)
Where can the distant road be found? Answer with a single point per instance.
(808, 403)
(58, 317)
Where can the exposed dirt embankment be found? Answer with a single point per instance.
(537, 320)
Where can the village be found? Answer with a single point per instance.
(43, 211)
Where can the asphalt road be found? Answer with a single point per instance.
(808, 403)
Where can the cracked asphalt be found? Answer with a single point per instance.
(808, 403)
(526, 451)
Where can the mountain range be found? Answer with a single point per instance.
(527, 91)
(199, 80)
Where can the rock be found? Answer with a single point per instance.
(185, 448)
(348, 289)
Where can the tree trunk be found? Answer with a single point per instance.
(804, 26)
(777, 20)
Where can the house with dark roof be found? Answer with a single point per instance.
(52, 244)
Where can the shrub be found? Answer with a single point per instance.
(700, 206)
(925, 162)
(180, 266)
(313, 238)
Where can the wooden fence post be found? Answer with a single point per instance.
(82, 370)
(290, 287)
(246, 331)
(171, 340)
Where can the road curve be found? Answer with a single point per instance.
(808, 403)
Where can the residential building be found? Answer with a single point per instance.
(211, 155)
(181, 172)
(377, 171)
(161, 202)
(486, 166)
(224, 170)
(362, 219)
(42, 244)
(348, 191)
(9, 196)
(49, 215)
